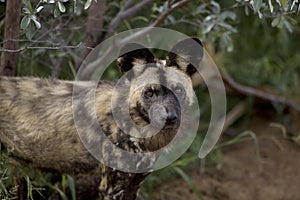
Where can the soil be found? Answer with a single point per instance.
(275, 175)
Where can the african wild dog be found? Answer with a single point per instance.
(37, 121)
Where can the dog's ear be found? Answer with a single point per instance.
(186, 55)
(132, 55)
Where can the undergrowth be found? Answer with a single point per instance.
(34, 183)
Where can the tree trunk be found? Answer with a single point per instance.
(8, 64)
(94, 27)
(9, 59)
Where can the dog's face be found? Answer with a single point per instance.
(160, 89)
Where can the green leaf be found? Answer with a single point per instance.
(172, 19)
(291, 20)
(284, 3)
(288, 25)
(61, 7)
(63, 182)
(72, 67)
(61, 193)
(226, 42)
(260, 14)
(77, 8)
(28, 5)
(189, 181)
(246, 10)
(30, 31)
(87, 4)
(256, 5)
(276, 21)
(26, 11)
(25, 22)
(208, 28)
(271, 6)
(56, 11)
(71, 186)
(39, 9)
(140, 18)
(228, 14)
(37, 24)
(215, 6)
(293, 4)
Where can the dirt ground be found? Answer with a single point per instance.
(245, 176)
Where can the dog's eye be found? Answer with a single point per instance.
(149, 93)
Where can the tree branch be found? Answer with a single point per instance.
(173, 7)
(257, 93)
(89, 69)
(127, 4)
(44, 47)
(123, 14)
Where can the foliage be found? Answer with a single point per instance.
(38, 184)
(54, 25)
(263, 57)
(58, 7)
(6, 192)
(256, 41)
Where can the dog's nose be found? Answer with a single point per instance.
(171, 118)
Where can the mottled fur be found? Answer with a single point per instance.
(37, 123)
(35, 117)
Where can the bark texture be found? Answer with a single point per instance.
(9, 56)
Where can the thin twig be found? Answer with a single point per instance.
(123, 14)
(89, 69)
(246, 90)
(234, 114)
(127, 4)
(43, 47)
(173, 7)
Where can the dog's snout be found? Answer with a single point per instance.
(171, 118)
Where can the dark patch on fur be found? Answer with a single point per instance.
(2, 90)
(131, 52)
(190, 70)
(191, 50)
(39, 84)
(107, 130)
(74, 141)
(142, 112)
(14, 81)
(171, 61)
(106, 127)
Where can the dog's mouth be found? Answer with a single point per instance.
(171, 124)
(170, 127)
(163, 123)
